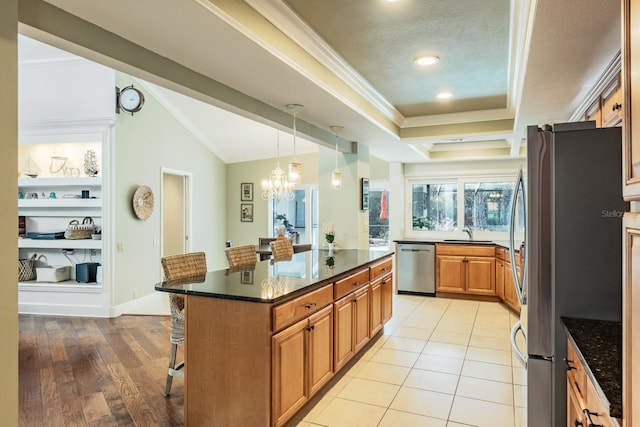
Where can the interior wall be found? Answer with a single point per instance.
(146, 142)
(9, 211)
(378, 169)
(247, 233)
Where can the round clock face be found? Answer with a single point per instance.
(131, 99)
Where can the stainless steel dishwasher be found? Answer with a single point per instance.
(416, 268)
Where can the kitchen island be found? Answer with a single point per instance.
(261, 342)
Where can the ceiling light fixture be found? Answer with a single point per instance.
(295, 167)
(277, 186)
(426, 59)
(444, 95)
(336, 176)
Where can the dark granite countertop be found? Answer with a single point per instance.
(599, 345)
(502, 243)
(270, 283)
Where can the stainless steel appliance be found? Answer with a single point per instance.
(416, 268)
(573, 251)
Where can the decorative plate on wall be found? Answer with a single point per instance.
(143, 202)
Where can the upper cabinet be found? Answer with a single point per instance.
(631, 98)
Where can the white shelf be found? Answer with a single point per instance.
(60, 182)
(60, 244)
(66, 286)
(60, 203)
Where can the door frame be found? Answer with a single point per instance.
(188, 187)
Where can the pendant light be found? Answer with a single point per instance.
(336, 176)
(295, 167)
(277, 186)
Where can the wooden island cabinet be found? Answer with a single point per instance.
(260, 343)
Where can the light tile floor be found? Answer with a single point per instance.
(439, 363)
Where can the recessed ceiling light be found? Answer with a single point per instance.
(444, 95)
(426, 59)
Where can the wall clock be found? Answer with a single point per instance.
(129, 99)
(143, 202)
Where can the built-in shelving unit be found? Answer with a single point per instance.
(48, 205)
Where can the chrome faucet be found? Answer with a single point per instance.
(469, 231)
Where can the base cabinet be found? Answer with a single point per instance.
(375, 307)
(387, 298)
(510, 296)
(465, 269)
(302, 362)
(351, 325)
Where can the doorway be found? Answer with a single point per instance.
(176, 212)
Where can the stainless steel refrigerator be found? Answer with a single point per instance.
(573, 251)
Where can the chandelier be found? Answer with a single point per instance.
(277, 186)
(336, 176)
(295, 167)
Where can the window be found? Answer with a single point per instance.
(487, 205)
(378, 217)
(434, 206)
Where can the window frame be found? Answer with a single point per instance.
(460, 183)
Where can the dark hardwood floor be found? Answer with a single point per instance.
(96, 372)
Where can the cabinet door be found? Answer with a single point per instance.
(510, 295)
(500, 278)
(631, 101)
(480, 275)
(612, 104)
(631, 316)
(320, 349)
(575, 417)
(387, 298)
(361, 318)
(450, 273)
(343, 331)
(375, 308)
(594, 113)
(289, 374)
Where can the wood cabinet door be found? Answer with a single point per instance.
(450, 273)
(361, 318)
(500, 278)
(575, 417)
(289, 371)
(375, 307)
(612, 104)
(387, 298)
(594, 113)
(631, 319)
(480, 273)
(631, 99)
(510, 295)
(320, 349)
(343, 331)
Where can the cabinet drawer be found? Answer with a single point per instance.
(380, 268)
(466, 250)
(300, 307)
(351, 283)
(575, 370)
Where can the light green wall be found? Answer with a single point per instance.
(146, 142)
(247, 233)
(378, 169)
(9, 211)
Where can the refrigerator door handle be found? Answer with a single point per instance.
(516, 350)
(517, 281)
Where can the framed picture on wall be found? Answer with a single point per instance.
(246, 192)
(246, 212)
(364, 190)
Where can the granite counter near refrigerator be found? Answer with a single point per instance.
(598, 344)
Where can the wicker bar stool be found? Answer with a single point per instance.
(241, 255)
(179, 267)
(281, 249)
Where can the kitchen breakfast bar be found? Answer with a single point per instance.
(261, 341)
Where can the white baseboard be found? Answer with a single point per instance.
(138, 305)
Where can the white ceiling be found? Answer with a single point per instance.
(508, 63)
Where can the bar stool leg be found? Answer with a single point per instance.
(172, 366)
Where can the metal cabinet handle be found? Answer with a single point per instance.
(616, 106)
(587, 413)
(356, 283)
(310, 328)
(577, 423)
(310, 305)
(569, 367)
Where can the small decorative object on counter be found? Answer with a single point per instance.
(90, 163)
(330, 237)
(78, 231)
